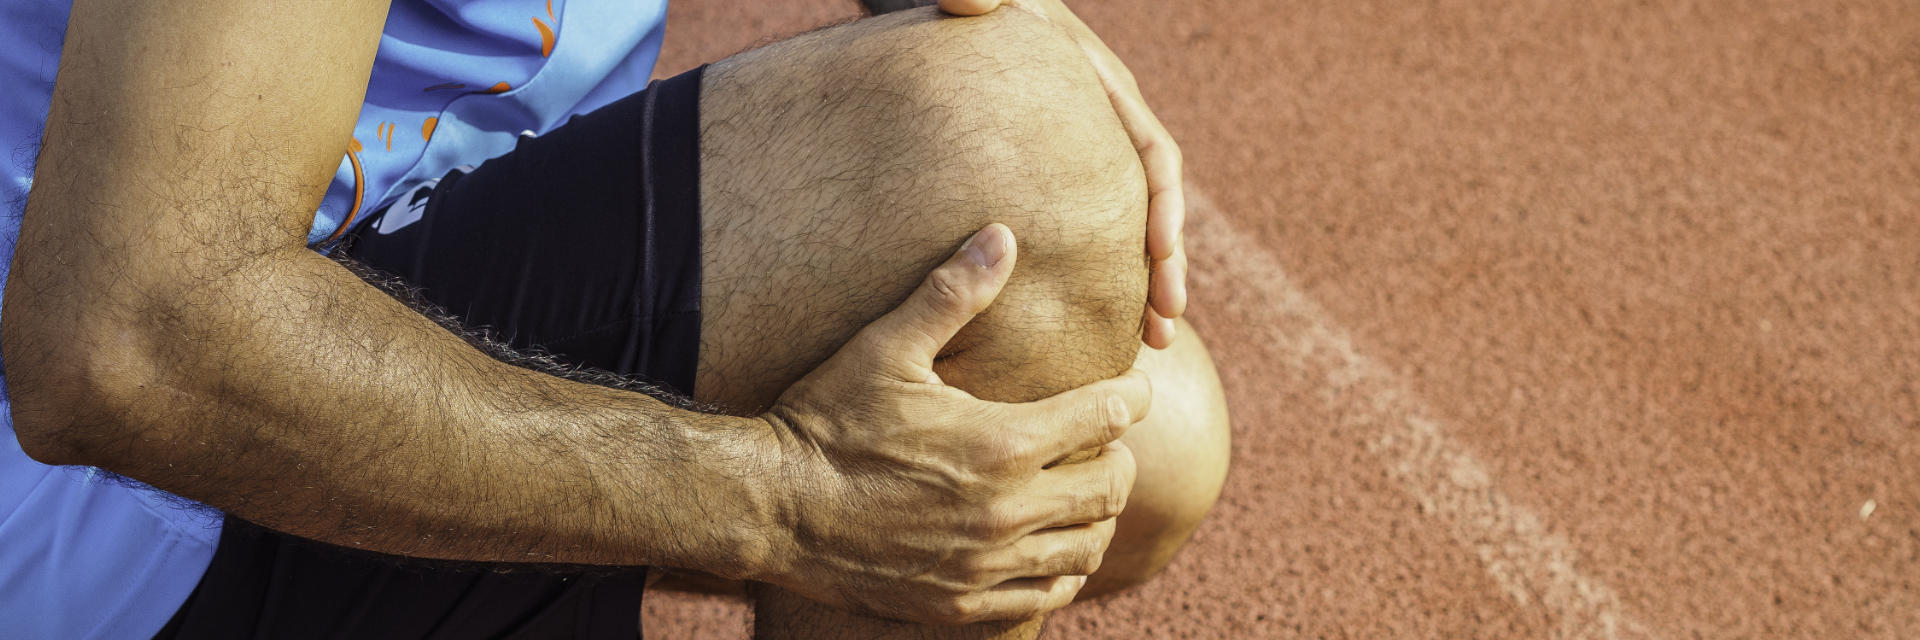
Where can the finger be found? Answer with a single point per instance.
(1061, 551)
(1166, 194)
(1166, 198)
(909, 337)
(1024, 598)
(1159, 155)
(968, 7)
(1085, 418)
(1121, 87)
(1087, 492)
(1168, 289)
(1158, 332)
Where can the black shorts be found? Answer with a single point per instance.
(584, 242)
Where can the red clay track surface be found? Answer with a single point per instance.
(1537, 319)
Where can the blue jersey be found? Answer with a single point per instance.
(83, 555)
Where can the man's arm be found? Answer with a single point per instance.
(165, 321)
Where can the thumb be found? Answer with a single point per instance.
(908, 338)
(968, 7)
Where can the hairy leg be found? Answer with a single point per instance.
(837, 167)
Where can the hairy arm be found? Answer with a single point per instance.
(165, 321)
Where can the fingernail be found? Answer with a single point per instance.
(987, 246)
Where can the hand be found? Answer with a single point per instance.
(1166, 204)
(910, 499)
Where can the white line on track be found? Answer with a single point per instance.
(1533, 565)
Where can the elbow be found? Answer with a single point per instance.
(44, 441)
(67, 385)
(42, 409)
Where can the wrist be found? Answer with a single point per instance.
(762, 541)
(780, 489)
(728, 483)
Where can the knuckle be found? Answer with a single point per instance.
(1013, 451)
(999, 522)
(998, 450)
(1090, 507)
(1095, 550)
(1119, 485)
(970, 573)
(1111, 413)
(946, 292)
(1079, 558)
(959, 610)
(1094, 557)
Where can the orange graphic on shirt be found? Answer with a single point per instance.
(546, 38)
(385, 130)
(359, 188)
(384, 133)
(546, 34)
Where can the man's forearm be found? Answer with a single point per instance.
(317, 405)
(292, 394)
(164, 321)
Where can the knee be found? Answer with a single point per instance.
(1011, 125)
(904, 134)
(951, 119)
(1006, 112)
